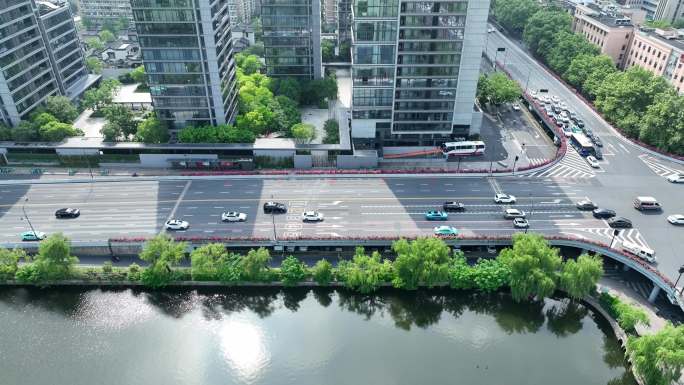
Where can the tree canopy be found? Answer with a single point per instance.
(497, 88)
(62, 108)
(659, 357)
(152, 130)
(514, 14)
(541, 29)
(578, 277)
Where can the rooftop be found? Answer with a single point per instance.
(671, 37)
(608, 17)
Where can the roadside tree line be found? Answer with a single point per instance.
(642, 105)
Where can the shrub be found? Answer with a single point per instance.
(292, 270)
(323, 272)
(134, 272)
(107, 267)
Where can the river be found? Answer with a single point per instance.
(302, 337)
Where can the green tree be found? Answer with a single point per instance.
(587, 72)
(255, 49)
(497, 89)
(678, 24)
(327, 50)
(461, 275)
(94, 65)
(659, 357)
(138, 75)
(490, 274)
(566, 47)
(579, 277)
(292, 271)
(121, 117)
(542, 27)
(534, 266)
(205, 261)
(322, 272)
(303, 132)
(25, 132)
(57, 131)
(54, 259)
(345, 52)
(332, 132)
(291, 88)
(257, 121)
(9, 262)
(5, 133)
(423, 261)
(106, 36)
(101, 96)
(249, 64)
(41, 119)
(663, 123)
(95, 43)
(365, 273)
(87, 22)
(514, 14)
(289, 114)
(62, 108)
(162, 253)
(627, 315)
(254, 265)
(152, 130)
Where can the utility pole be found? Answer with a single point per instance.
(514, 162)
(23, 209)
(681, 271)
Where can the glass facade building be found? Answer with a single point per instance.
(187, 54)
(292, 38)
(40, 55)
(415, 70)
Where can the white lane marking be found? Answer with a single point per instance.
(178, 201)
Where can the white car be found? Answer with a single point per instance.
(516, 107)
(677, 219)
(504, 198)
(233, 216)
(555, 99)
(490, 30)
(676, 178)
(513, 213)
(521, 223)
(312, 216)
(176, 224)
(593, 162)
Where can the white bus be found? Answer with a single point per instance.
(464, 148)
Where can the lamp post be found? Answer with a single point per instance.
(23, 209)
(275, 234)
(616, 232)
(514, 162)
(681, 271)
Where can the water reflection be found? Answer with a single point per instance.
(244, 349)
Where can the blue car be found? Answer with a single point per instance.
(436, 215)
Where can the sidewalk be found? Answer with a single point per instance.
(622, 291)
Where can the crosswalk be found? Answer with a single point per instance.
(606, 234)
(572, 166)
(657, 167)
(537, 161)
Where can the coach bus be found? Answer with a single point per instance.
(463, 148)
(582, 144)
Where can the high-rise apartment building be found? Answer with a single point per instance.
(344, 23)
(667, 10)
(240, 12)
(415, 67)
(329, 11)
(187, 52)
(40, 55)
(102, 10)
(292, 38)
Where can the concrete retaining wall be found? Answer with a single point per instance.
(303, 162)
(357, 161)
(162, 160)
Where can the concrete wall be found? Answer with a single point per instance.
(275, 153)
(162, 160)
(403, 150)
(357, 161)
(77, 151)
(303, 161)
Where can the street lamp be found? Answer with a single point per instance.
(514, 162)
(616, 232)
(23, 209)
(681, 271)
(275, 234)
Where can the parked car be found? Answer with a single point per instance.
(33, 236)
(521, 223)
(620, 223)
(176, 224)
(513, 213)
(598, 153)
(516, 107)
(676, 219)
(312, 216)
(445, 230)
(453, 206)
(504, 198)
(67, 213)
(435, 215)
(593, 162)
(233, 216)
(676, 178)
(586, 204)
(274, 208)
(597, 141)
(603, 213)
(579, 123)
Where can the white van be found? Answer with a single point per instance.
(639, 251)
(646, 203)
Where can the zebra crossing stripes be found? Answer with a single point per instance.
(537, 161)
(572, 166)
(657, 167)
(629, 235)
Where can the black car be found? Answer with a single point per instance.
(603, 213)
(586, 204)
(453, 206)
(580, 123)
(597, 141)
(620, 223)
(274, 208)
(597, 153)
(67, 213)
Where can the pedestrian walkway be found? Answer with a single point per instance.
(572, 166)
(657, 167)
(623, 290)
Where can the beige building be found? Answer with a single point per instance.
(661, 52)
(611, 32)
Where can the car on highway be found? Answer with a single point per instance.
(593, 162)
(445, 230)
(620, 223)
(233, 216)
(274, 208)
(176, 224)
(521, 223)
(676, 178)
(67, 213)
(490, 30)
(567, 131)
(555, 99)
(453, 206)
(33, 236)
(639, 251)
(504, 198)
(676, 219)
(598, 153)
(516, 107)
(597, 141)
(513, 213)
(312, 216)
(579, 123)
(586, 204)
(603, 213)
(436, 215)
